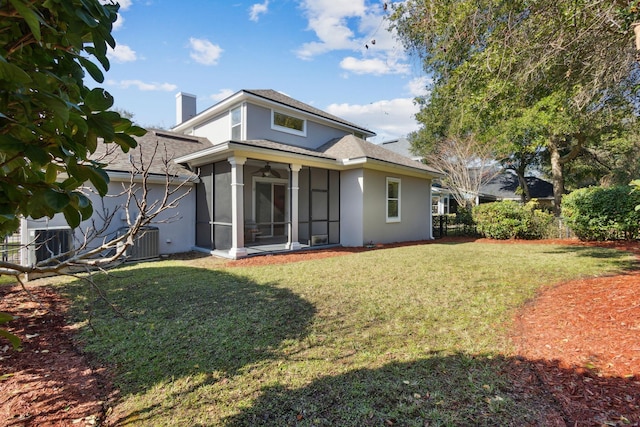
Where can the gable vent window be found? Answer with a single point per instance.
(285, 123)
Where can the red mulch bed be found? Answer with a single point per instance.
(578, 348)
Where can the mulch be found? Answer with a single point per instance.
(577, 347)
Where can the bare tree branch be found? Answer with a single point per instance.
(467, 165)
(95, 247)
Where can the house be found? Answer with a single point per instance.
(268, 172)
(173, 230)
(504, 186)
(280, 171)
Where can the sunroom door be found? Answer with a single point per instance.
(270, 208)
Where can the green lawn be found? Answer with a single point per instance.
(406, 336)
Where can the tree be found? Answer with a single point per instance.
(95, 246)
(467, 165)
(50, 121)
(561, 72)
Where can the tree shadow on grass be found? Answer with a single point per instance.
(449, 390)
(157, 324)
(620, 257)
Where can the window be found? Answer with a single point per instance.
(435, 202)
(286, 123)
(236, 124)
(393, 200)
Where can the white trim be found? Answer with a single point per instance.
(241, 124)
(387, 199)
(274, 126)
(280, 181)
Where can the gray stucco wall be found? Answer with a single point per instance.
(351, 207)
(217, 130)
(175, 226)
(259, 127)
(415, 208)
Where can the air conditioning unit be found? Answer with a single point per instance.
(48, 243)
(146, 244)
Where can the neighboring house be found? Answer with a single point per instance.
(272, 173)
(504, 186)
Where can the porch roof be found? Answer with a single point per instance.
(347, 152)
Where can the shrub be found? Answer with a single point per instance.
(598, 213)
(511, 220)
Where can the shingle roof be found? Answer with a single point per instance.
(504, 186)
(286, 148)
(400, 146)
(283, 99)
(351, 147)
(169, 145)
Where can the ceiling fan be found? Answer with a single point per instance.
(267, 172)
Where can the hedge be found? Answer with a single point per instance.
(599, 213)
(511, 220)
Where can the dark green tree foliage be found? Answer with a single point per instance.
(527, 77)
(598, 213)
(50, 121)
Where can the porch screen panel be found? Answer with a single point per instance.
(334, 207)
(319, 210)
(334, 196)
(204, 209)
(319, 205)
(303, 206)
(263, 207)
(221, 201)
(319, 179)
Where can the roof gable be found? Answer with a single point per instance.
(350, 148)
(280, 98)
(272, 98)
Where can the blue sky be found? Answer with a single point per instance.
(336, 55)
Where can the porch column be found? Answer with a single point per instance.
(237, 249)
(293, 242)
(430, 210)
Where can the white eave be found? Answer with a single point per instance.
(241, 96)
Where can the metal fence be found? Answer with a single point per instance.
(10, 248)
(449, 225)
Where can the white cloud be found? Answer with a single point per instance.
(329, 20)
(204, 52)
(355, 26)
(144, 86)
(420, 86)
(258, 9)
(388, 118)
(376, 66)
(119, 22)
(222, 94)
(122, 53)
(124, 4)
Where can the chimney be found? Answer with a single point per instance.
(185, 107)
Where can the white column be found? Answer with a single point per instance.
(294, 186)
(430, 210)
(237, 207)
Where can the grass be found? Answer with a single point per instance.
(409, 336)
